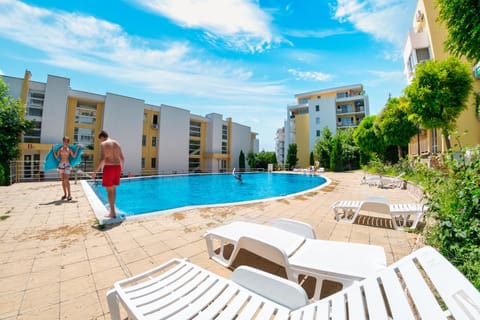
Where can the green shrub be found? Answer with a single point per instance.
(452, 192)
(453, 196)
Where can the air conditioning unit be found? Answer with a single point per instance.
(154, 126)
(476, 71)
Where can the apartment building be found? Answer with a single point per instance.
(336, 108)
(425, 42)
(155, 139)
(280, 145)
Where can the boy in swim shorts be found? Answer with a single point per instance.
(112, 160)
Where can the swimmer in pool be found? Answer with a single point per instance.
(238, 176)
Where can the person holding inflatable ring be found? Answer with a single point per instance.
(64, 167)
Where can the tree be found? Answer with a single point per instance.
(462, 19)
(368, 138)
(312, 160)
(263, 158)
(12, 125)
(292, 156)
(336, 160)
(323, 146)
(350, 150)
(438, 94)
(393, 122)
(251, 160)
(241, 161)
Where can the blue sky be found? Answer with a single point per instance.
(244, 59)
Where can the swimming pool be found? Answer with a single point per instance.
(137, 196)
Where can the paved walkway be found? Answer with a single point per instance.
(56, 264)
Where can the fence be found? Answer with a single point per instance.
(32, 171)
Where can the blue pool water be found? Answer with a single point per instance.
(143, 195)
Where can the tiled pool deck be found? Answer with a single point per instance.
(56, 264)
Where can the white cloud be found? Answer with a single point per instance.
(384, 19)
(241, 24)
(319, 34)
(87, 44)
(310, 75)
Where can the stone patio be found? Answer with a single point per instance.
(56, 263)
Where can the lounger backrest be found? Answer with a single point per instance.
(276, 289)
(267, 251)
(376, 204)
(298, 227)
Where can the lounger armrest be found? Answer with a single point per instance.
(301, 228)
(274, 288)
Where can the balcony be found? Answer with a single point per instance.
(350, 110)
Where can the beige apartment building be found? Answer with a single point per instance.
(156, 139)
(425, 42)
(336, 108)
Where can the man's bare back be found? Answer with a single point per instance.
(111, 152)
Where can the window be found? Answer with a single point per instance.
(33, 135)
(195, 128)
(304, 101)
(144, 140)
(145, 118)
(194, 165)
(422, 55)
(154, 141)
(143, 163)
(317, 108)
(224, 147)
(153, 163)
(224, 132)
(411, 64)
(34, 112)
(155, 119)
(85, 137)
(318, 133)
(85, 113)
(317, 120)
(194, 147)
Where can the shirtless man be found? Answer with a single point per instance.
(111, 159)
(64, 168)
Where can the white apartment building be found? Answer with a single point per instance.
(336, 108)
(280, 145)
(155, 139)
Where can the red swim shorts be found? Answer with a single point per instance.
(111, 175)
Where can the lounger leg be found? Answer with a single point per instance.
(395, 225)
(220, 256)
(418, 216)
(318, 288)
(113, 304)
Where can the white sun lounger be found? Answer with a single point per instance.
(180, 290)
(298, 251)
(383, 181)
(415, 287)
(348, 210)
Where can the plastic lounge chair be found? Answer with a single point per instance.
(343, 262)
(422, 285)
(347, 210)
(179, 289)
(414, 287)
(383, 181)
